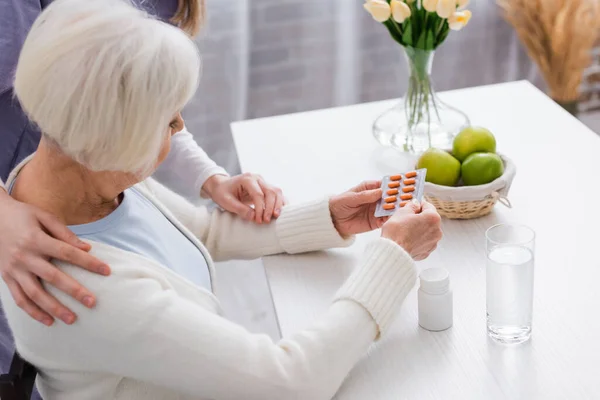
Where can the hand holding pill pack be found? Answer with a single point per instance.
(398, 190)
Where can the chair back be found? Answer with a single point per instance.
(19, 382)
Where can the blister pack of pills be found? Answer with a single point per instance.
(398, 190)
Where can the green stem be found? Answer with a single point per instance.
(439, 29)
(420, 92)
(437, 113)
(396, 26)
(428, 114)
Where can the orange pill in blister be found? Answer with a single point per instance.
(392, 185)
(411, 174)
(408, 189)
(389, 206)
(395, 177)
(392, 192)
(409, 181)
(402, 204)
(391, 199)
(407, 196)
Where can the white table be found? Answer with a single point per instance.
(327, 151)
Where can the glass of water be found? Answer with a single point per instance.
(509, 282)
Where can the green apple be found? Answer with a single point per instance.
(473, 140)
(442, 168)
(481, 168)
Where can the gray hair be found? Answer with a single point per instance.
(102, 80)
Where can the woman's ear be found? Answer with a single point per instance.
(176, 124)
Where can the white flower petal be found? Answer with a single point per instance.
(456, 26)
(379, 9)
(400, 11)
(430, 5)
(445, 8)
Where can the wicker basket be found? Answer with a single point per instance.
(467, 202)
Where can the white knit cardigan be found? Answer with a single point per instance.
(155, 335)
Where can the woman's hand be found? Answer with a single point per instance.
(353, 211)
(28, 239)
(417, 229)
(235, 194)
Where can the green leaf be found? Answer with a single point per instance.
(416, 24)
(394, 29)
(443, 34)
(421, 41)
(430, 41)
(413, 8)
(433, 23)
(407, 35)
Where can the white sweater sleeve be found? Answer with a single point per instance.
(187, 166)
(300, 228)
(144, 330)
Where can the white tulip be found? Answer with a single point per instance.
(430, 5)
(459, 20)
(445, 8)
(379, 9)
(462, 4)
(400, 11)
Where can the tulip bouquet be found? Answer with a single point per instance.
(420, 26)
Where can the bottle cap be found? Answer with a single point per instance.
(435, 280)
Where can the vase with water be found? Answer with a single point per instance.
(421, 120)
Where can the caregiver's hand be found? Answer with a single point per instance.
(237, 193)
(352, 211)
(417, 229)
(28, 239)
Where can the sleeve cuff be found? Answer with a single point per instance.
(308, 227)
(207, 173)
(382, 281)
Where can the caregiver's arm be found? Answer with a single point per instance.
(187, 167)
(189, 171)
(158, 337)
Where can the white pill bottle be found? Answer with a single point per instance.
(435, 300)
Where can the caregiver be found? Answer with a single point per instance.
(29, 236)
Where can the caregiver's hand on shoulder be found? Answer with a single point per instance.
(29, 237)
(237, 193)
(417, 229)
(353, 211)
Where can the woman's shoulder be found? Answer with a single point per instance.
(128, 272)
(122, 297)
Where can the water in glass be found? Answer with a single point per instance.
(509, 293)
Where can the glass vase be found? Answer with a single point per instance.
(421, 120)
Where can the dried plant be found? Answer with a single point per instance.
(559, 36)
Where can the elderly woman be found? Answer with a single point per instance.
(29, 237)
(105, 84)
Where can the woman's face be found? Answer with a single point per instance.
(175, 126)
